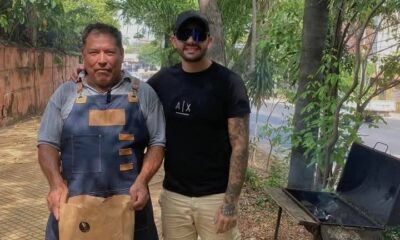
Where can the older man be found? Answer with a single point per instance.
(96, 131)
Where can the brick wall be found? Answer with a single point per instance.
(28, 77)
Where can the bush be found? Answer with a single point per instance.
(392, 233)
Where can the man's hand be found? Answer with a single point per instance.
(151, 163)
(56, 196)
(139, 195)
(74, 74)
(225, 218)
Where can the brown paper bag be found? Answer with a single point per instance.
(87, 217)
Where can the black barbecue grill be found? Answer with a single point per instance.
(367, 196)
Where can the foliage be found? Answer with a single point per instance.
(253, 180)
(260, 84)
(278, 174)
(236, 18)
(392, 233)
(150, 53)
(158, 15)
(21, 18)
(350, 81)
(276, 177)
(78, 15)
(282, 37)
(50, 23)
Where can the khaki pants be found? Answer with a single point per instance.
(187, 218)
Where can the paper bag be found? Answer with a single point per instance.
(87, 217)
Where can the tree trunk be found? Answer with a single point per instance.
(328, 149)
(241, 65)
(253, 38)
(336, 37)
(314, 34)
(32, 25)
(210, 9)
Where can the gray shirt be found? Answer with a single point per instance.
(62, 101)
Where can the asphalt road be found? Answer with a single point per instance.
(386, 137)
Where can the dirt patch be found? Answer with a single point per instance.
(258, 216)
(18, 142)
(258, 212)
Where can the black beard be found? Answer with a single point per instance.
(197, 59)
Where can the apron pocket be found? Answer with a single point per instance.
(86, 156)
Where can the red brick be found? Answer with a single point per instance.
(24, 102)
(10, 57)
(15, 79)
(23, 77)
(22, 58)
(3, 88)
(16, 58)
(44, 86)
(43, 60)
(4, 79)
(58, 75)
(2, 59)
(28, 78)
(32, 58)
(48, 59)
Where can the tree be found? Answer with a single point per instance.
(158, 15)
(210, 9)
(259, 8)
(50, 23)
(229, 22)
(358, 90)
(328, 133)
(315, 28)
(150, 54)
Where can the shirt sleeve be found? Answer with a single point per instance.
(51, 124)
(238, 104)
(153, 113)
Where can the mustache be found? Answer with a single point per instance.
(191, 45)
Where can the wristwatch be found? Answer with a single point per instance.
(228, 210)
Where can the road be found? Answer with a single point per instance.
(385, 133)
(388, 133)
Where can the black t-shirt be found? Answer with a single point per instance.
(197, 107)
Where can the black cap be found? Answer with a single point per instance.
(183, 17)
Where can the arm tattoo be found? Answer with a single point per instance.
(239, 139)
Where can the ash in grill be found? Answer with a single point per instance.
(327, 208)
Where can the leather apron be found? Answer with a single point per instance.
(102, 145)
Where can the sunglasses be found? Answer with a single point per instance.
(197, 35)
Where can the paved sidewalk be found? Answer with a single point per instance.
(23, 188)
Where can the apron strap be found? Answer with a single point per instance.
(79, 89)
(135, 89)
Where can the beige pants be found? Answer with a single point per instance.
(187, 218)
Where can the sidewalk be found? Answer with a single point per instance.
(23, 188)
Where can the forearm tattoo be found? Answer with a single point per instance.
(239, 139)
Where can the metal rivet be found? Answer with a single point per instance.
(84, 227)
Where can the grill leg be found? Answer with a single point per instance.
(278, 223)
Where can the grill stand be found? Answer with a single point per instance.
(319, 232)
